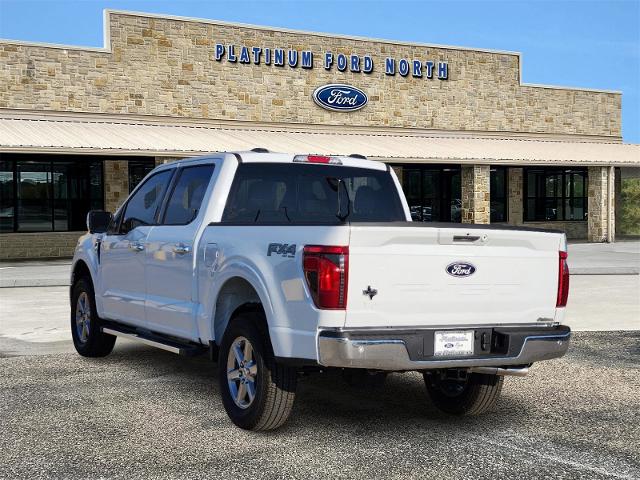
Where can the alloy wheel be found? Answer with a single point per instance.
(242, 372)
(83, 317)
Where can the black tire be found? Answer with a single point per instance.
(473, 394)
(273, 385)
(88, 340)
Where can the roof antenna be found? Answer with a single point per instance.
(260, 150)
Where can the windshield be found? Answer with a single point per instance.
(311, 194)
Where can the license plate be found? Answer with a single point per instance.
(453, 343)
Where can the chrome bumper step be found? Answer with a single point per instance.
(350, 349)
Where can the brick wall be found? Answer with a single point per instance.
(15, 246)
(167, 67)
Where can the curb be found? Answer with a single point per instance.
(22, 283)
(604, 271)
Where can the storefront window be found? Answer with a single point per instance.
(555, 194)
(35, 211)
(7, 203)
(44, 193)
(498, 189)
(138, 169)
(433, 192)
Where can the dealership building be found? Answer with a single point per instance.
(468, 139)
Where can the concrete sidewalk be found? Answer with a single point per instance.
(35, 273)
(621, 258)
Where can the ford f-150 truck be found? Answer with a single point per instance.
(276, 264)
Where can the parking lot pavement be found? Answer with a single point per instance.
(604, 302)
(145, 413)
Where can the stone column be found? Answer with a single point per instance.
(600, 204)
(475, 194)
(116, 184)
(398, 171)
(618, 201)
(515, 188)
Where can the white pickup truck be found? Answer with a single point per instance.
(277, 264)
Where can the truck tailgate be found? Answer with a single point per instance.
(423, 278)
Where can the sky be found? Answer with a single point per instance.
(577, 43)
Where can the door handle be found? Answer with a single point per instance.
(181, 249)
(138, 247)
(466, 238)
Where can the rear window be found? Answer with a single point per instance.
(311, 194)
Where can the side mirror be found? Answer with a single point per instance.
(98, 221)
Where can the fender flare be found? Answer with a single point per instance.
(245, 271)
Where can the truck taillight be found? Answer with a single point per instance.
(563, 280)
(326, 270)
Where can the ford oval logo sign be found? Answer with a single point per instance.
(461, 269)
(340, 98)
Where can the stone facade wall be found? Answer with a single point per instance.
(515, 188)
(16, 246)
(475, 193)
(167, 67)
(116, 184)
(598, 222)
(575, 230)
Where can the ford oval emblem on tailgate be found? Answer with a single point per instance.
(340, 98)
(460, 269)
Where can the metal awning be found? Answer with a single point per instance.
(121, 137)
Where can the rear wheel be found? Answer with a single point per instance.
(462, 393)
(257, 393)
(86, 332)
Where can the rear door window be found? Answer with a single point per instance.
(311, 194)
(186, 199)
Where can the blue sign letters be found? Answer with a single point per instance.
(342, 62)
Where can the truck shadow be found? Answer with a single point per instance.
(323, 399)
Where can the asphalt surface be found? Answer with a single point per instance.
(145, 413)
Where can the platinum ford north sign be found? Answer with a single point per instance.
(340, 98)
(305, 59)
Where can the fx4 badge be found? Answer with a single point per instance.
(283, 249)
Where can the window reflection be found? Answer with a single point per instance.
(43, 193)
(498, 194)
(555, 194)
(7, 191)
(34, 197)
(433, 192)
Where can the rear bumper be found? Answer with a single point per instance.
(396, 350)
